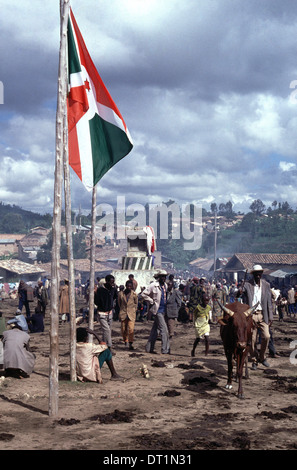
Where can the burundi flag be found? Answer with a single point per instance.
(97, 134)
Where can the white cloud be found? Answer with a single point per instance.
(206, 100)
(287, 166)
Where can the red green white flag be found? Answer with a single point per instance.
(97, 134)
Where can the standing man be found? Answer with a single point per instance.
(128, 302)
(105, 297)
(155, 294)
(42, 297)
(194, 296)
(23, 297)
(173, 304)
(254, 291)
(291, 301)
(64, 307)
(219, 294)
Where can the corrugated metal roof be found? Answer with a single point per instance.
(19, 267)
(202, 263)
(266, 258)
(282, 273)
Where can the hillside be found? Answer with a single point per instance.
(273, 231)
(14, 219)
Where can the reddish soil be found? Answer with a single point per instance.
(182, 406)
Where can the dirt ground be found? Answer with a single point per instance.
(182, 406)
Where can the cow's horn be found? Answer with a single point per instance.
(226, 310)
(251, 310)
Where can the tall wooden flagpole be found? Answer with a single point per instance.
(55, 268)
(215, 246)
(69, 243)
(92, 262)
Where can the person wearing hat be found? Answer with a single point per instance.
(258, 291)
(19, 361)
(155, 295)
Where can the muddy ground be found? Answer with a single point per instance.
(182, 406)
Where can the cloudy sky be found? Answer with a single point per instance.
(208, 90)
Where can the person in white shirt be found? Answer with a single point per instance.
(254, 291)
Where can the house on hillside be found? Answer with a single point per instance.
(279, 268)
(9, 243)
(31, 243)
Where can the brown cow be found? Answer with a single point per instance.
(236, 334)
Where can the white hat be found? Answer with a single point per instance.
(161, 272)
(257, 267)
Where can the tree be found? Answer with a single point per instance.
(286, 208)
(213, 207)
(79, 245)
(222, 208)
(79, 248)
(257, 207)
(12, 223)
(229, 206)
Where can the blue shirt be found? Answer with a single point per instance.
(21, 321)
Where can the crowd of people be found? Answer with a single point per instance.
(164, 302)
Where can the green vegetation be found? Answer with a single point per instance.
(79, 248)
(271, 230)
(261, 230)
(13, 219)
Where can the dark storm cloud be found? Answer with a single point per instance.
(236, 47)
(29, 74)
(203, 86)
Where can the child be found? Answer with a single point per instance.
(201, 323)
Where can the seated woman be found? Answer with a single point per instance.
(90, 358)
(19, 361)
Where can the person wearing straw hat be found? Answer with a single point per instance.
(155, 294)
(254, 291)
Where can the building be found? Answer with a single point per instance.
(201, 266)
(29, 245)
(13, 270)
(9, 243)
(205, 266)
(278, 268)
